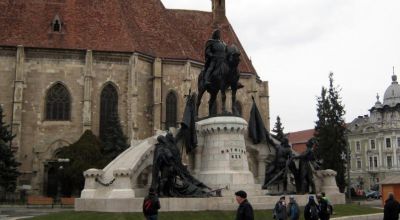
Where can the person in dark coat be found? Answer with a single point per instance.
(279, 212)
(151, 205)
(293, 210)
(323, 208)
(391, 209)
(311, 210)
(245, 210)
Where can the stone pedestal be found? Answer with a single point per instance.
(90, 183)
(224, 157)
(327, 181)
(122, 185)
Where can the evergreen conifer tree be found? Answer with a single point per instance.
(114, 141)
(278, 129)
(330, 132)
(84, 154)
(8, 164)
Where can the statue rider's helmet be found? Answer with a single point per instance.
(216, 35)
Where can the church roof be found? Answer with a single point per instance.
(144, 26)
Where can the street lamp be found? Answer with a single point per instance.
(60, 161)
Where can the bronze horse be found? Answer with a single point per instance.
(228, 76)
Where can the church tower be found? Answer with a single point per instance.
(218, 10)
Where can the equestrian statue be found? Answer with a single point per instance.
(219, 73)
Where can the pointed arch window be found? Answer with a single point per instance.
(58, 103)
(171, 110)
(108, 106)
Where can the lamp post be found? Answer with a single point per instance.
(60, 161)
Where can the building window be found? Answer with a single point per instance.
(358, 146)
(372, 142)
(171, 110)
(56, 24)
(359, 164)
(375, 161)
(58, 103)
(108, 106)
(389, 162)
(388, 143)
(398, 142)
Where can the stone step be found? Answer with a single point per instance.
(190, 204)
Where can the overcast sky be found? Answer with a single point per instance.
(294, 44)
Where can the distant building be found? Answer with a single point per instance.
(375, 140)
(299, 139)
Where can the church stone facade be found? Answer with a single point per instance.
(375, 140)
(66, 65)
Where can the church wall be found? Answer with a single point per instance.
(42, 69)
(145, 98)
(7, 74)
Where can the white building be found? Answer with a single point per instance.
(375, 140)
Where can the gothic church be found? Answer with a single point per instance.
(66, 66)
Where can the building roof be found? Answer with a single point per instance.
(299, 139)
(392, 93)
(144, 26)
(395, 179)
(300, 136)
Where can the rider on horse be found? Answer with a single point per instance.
(215, 55)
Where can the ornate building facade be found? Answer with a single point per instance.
(374, 140)
(66, 66)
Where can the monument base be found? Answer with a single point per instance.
(191, 204)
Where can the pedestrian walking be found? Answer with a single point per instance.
(293, 209)
(391, 209)
(279, 212)
(245, 210)
(151, 205)
(311, 211)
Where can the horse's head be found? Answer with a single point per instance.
(233, 55)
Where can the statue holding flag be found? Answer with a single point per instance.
(277, 171)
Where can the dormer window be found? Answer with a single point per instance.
(56, 24)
